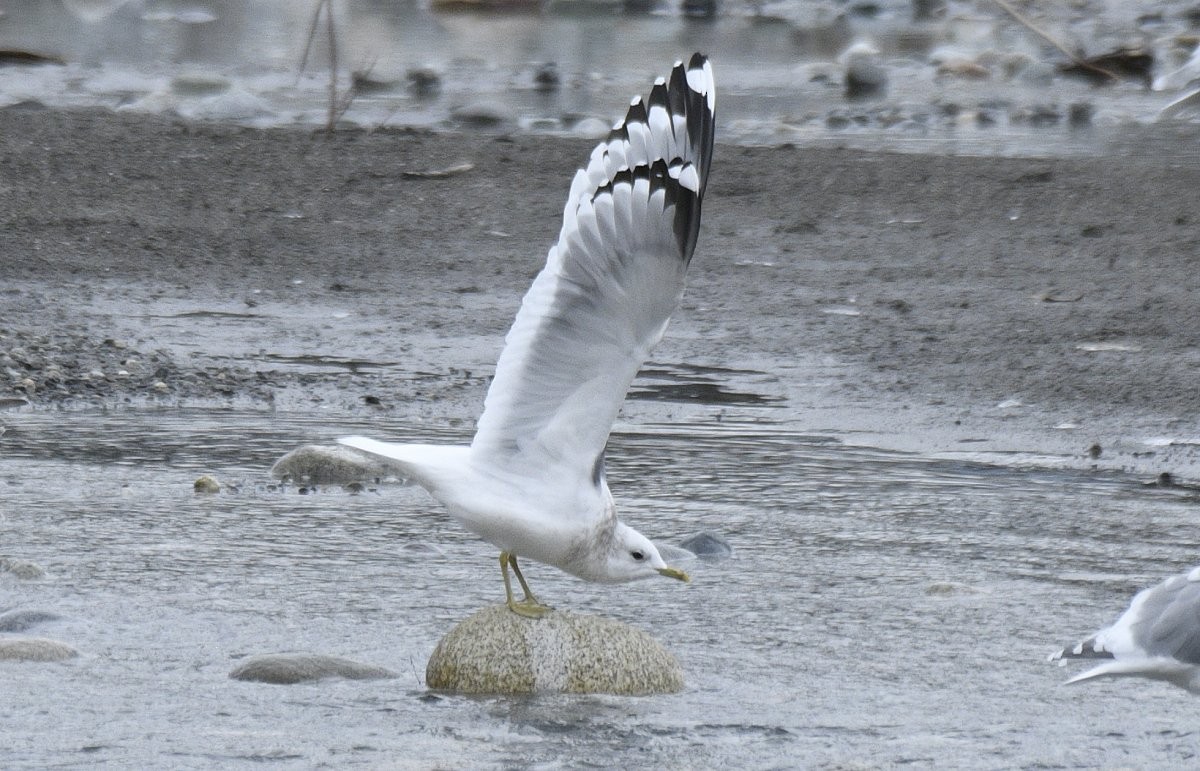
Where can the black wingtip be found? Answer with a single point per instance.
(659, 96)
(636, 114)
(679, 96)
(677, 163)
(1083, 650)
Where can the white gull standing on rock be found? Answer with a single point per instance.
(532, 480)
(1158, 637)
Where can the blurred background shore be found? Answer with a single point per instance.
(954, 76)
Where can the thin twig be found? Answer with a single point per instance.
(337, 107)
(312, 32)
(1025, 22)
(333, 68)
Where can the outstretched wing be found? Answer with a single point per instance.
(609, 286)
(1157, 636)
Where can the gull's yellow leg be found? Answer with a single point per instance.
(512, 560)
(508, 598)
(528, 607)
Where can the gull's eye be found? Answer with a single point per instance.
(637, 555)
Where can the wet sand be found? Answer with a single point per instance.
(937, 303)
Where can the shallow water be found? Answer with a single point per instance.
(880, 608)
(778, 71)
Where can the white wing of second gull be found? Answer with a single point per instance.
(532, 481)
(1157, 638)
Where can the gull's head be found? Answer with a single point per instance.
(633, 556)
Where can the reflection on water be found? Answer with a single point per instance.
(880, 608)
(778, 67)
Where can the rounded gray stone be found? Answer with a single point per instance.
(327, 464)
(22, 620)
(292, 668)
(21, 569)
(482, 114)
(34, 649)
(498, 651)
(707, 545)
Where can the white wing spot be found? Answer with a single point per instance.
(701, 82)
(689, 178)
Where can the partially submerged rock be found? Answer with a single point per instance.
(21, 569)
(951, 588)
(34, 649)
(207, 485)
(292, 668)
(327, 464)
(482, 114)
(707, 545)
(497, 651)
(21, 620)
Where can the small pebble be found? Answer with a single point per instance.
(546, 77)
(1079, 114)
(424, 82)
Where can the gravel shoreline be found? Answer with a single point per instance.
(153, 262)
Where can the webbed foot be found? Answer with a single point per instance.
(528, 607)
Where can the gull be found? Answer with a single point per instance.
(532, 480)
(1157, 637)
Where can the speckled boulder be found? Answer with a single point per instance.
(497, 651)
(292, 668)
(34, 649)
(321, 464)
